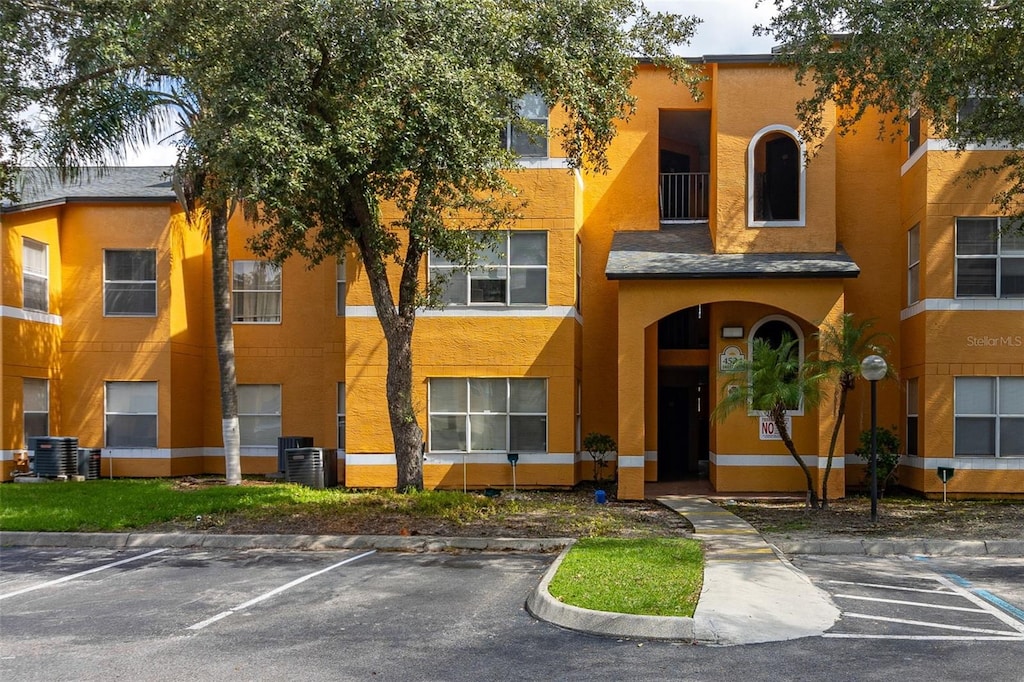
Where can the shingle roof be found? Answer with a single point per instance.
(41, 186)
(687, 253)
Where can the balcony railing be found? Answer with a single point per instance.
(683, 196)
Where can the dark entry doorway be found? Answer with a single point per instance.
(682, 422)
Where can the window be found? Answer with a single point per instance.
(129, 283)
(579, 275)
(340, 293)
(988, 263)
(530, 143)
(775, 180)
(488, 415)
(131, 414)
(259, 414)
(912, 417)
(579, 416)
(341, 416)
(512, 272)
(914, 123)
(35, 280)
(256, 292)
(36, 407)
(914, 264)
(989, 414)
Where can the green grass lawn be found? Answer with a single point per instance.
(654, 577)
(129, 504)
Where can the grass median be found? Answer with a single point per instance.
(652, 576)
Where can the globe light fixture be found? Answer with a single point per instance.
(873, 368)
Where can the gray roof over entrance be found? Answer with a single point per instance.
(687, 253)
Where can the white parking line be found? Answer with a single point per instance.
(913, 603)
(79, 575)
(941, 590)
(276, 590)
(929, 638)
(986, 606)
(927, 624)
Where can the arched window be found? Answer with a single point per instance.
(775, 178)
(773, 329)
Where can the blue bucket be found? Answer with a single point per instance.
(600, 497)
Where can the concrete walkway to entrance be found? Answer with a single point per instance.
(750, 593)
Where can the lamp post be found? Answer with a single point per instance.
(873, 368)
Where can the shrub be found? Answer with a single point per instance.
(888, 455)
(597, 446)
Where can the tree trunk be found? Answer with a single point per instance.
(397, 323)
(840, 414)
(225, 343)
(779, 417)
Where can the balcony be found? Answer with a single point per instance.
(683, 197)
(684, 161)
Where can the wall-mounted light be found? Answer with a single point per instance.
(732, 332)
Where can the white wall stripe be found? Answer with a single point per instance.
(29, 315)
(555, 311)
(500, 458)
(963, 304)
(631, 461)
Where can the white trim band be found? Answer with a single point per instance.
(30, 315)
(962, 304)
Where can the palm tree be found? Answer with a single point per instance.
(105, 98)
(773, 381)
(841, 347)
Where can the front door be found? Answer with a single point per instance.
(682, 422)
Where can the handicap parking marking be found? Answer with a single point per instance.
(950, 586)
(57, 581)
(277, 590)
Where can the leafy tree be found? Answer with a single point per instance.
(773, 381)
(841, 347)
(899, 55)
(378, 126)
(104, 77)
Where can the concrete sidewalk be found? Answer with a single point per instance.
(750, 594)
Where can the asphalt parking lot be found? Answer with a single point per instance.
(923, 598)
(228, 614)
(146, 614)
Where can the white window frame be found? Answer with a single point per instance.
(801, 221)
(1003, 411)
(246, 417)
(913, 421)
(107, 282)
(341, 284)
(468, 414)
(139, 413)
(35, 275)
(440, 267)
(28, 383)
(914, 264)
(341, 416)
(237, 318)
(513, 134)
(997, 256)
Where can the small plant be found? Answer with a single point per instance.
(597, 446)
(888, 455)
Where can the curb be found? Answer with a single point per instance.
(910, 546)
(541, 605)
(398, 543)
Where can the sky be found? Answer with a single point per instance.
(727, 29)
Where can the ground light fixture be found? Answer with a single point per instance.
(873, 368)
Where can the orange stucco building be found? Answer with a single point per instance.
(611, 306)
